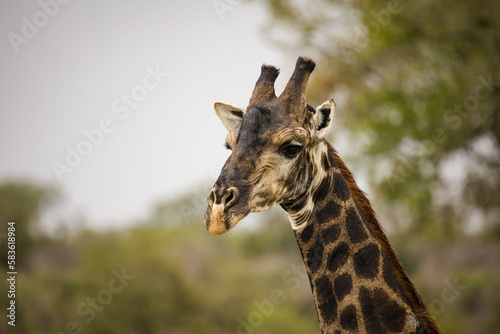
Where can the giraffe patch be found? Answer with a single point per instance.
(355, 227)
(340, 186)
(323, 190)
(342, 285)
(315, 257)
(327, 303)
(306, 233)
(390, 278)
(380, 312)
(338, 257)
(329, 212)
(366, 261)
(349, 319)
(331, 234)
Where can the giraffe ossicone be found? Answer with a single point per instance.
(280, 156)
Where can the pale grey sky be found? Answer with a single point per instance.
(146, 75)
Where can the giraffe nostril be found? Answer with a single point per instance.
(224, 197)
(231, 197)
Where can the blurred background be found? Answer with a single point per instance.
(110, 146)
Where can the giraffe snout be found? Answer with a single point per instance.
(223, 213)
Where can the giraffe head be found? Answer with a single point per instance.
(273, 143)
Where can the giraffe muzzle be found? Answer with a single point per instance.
(223, 212)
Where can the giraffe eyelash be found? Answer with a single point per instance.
(226, 145)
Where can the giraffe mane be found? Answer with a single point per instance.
(417, 304)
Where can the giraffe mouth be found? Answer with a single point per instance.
(224, 210)
(219, 220)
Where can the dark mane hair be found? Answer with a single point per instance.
(425, 318)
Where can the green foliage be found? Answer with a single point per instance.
(417, 86)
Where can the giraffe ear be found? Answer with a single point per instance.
(229, 115)
(323, 118)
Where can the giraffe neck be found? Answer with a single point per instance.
(354, 286)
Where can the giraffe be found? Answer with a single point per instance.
(280, 157)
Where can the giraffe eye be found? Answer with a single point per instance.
(291, 150)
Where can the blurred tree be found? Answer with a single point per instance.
(418, 91)
(22, 203)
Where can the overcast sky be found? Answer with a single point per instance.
(112, 101)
